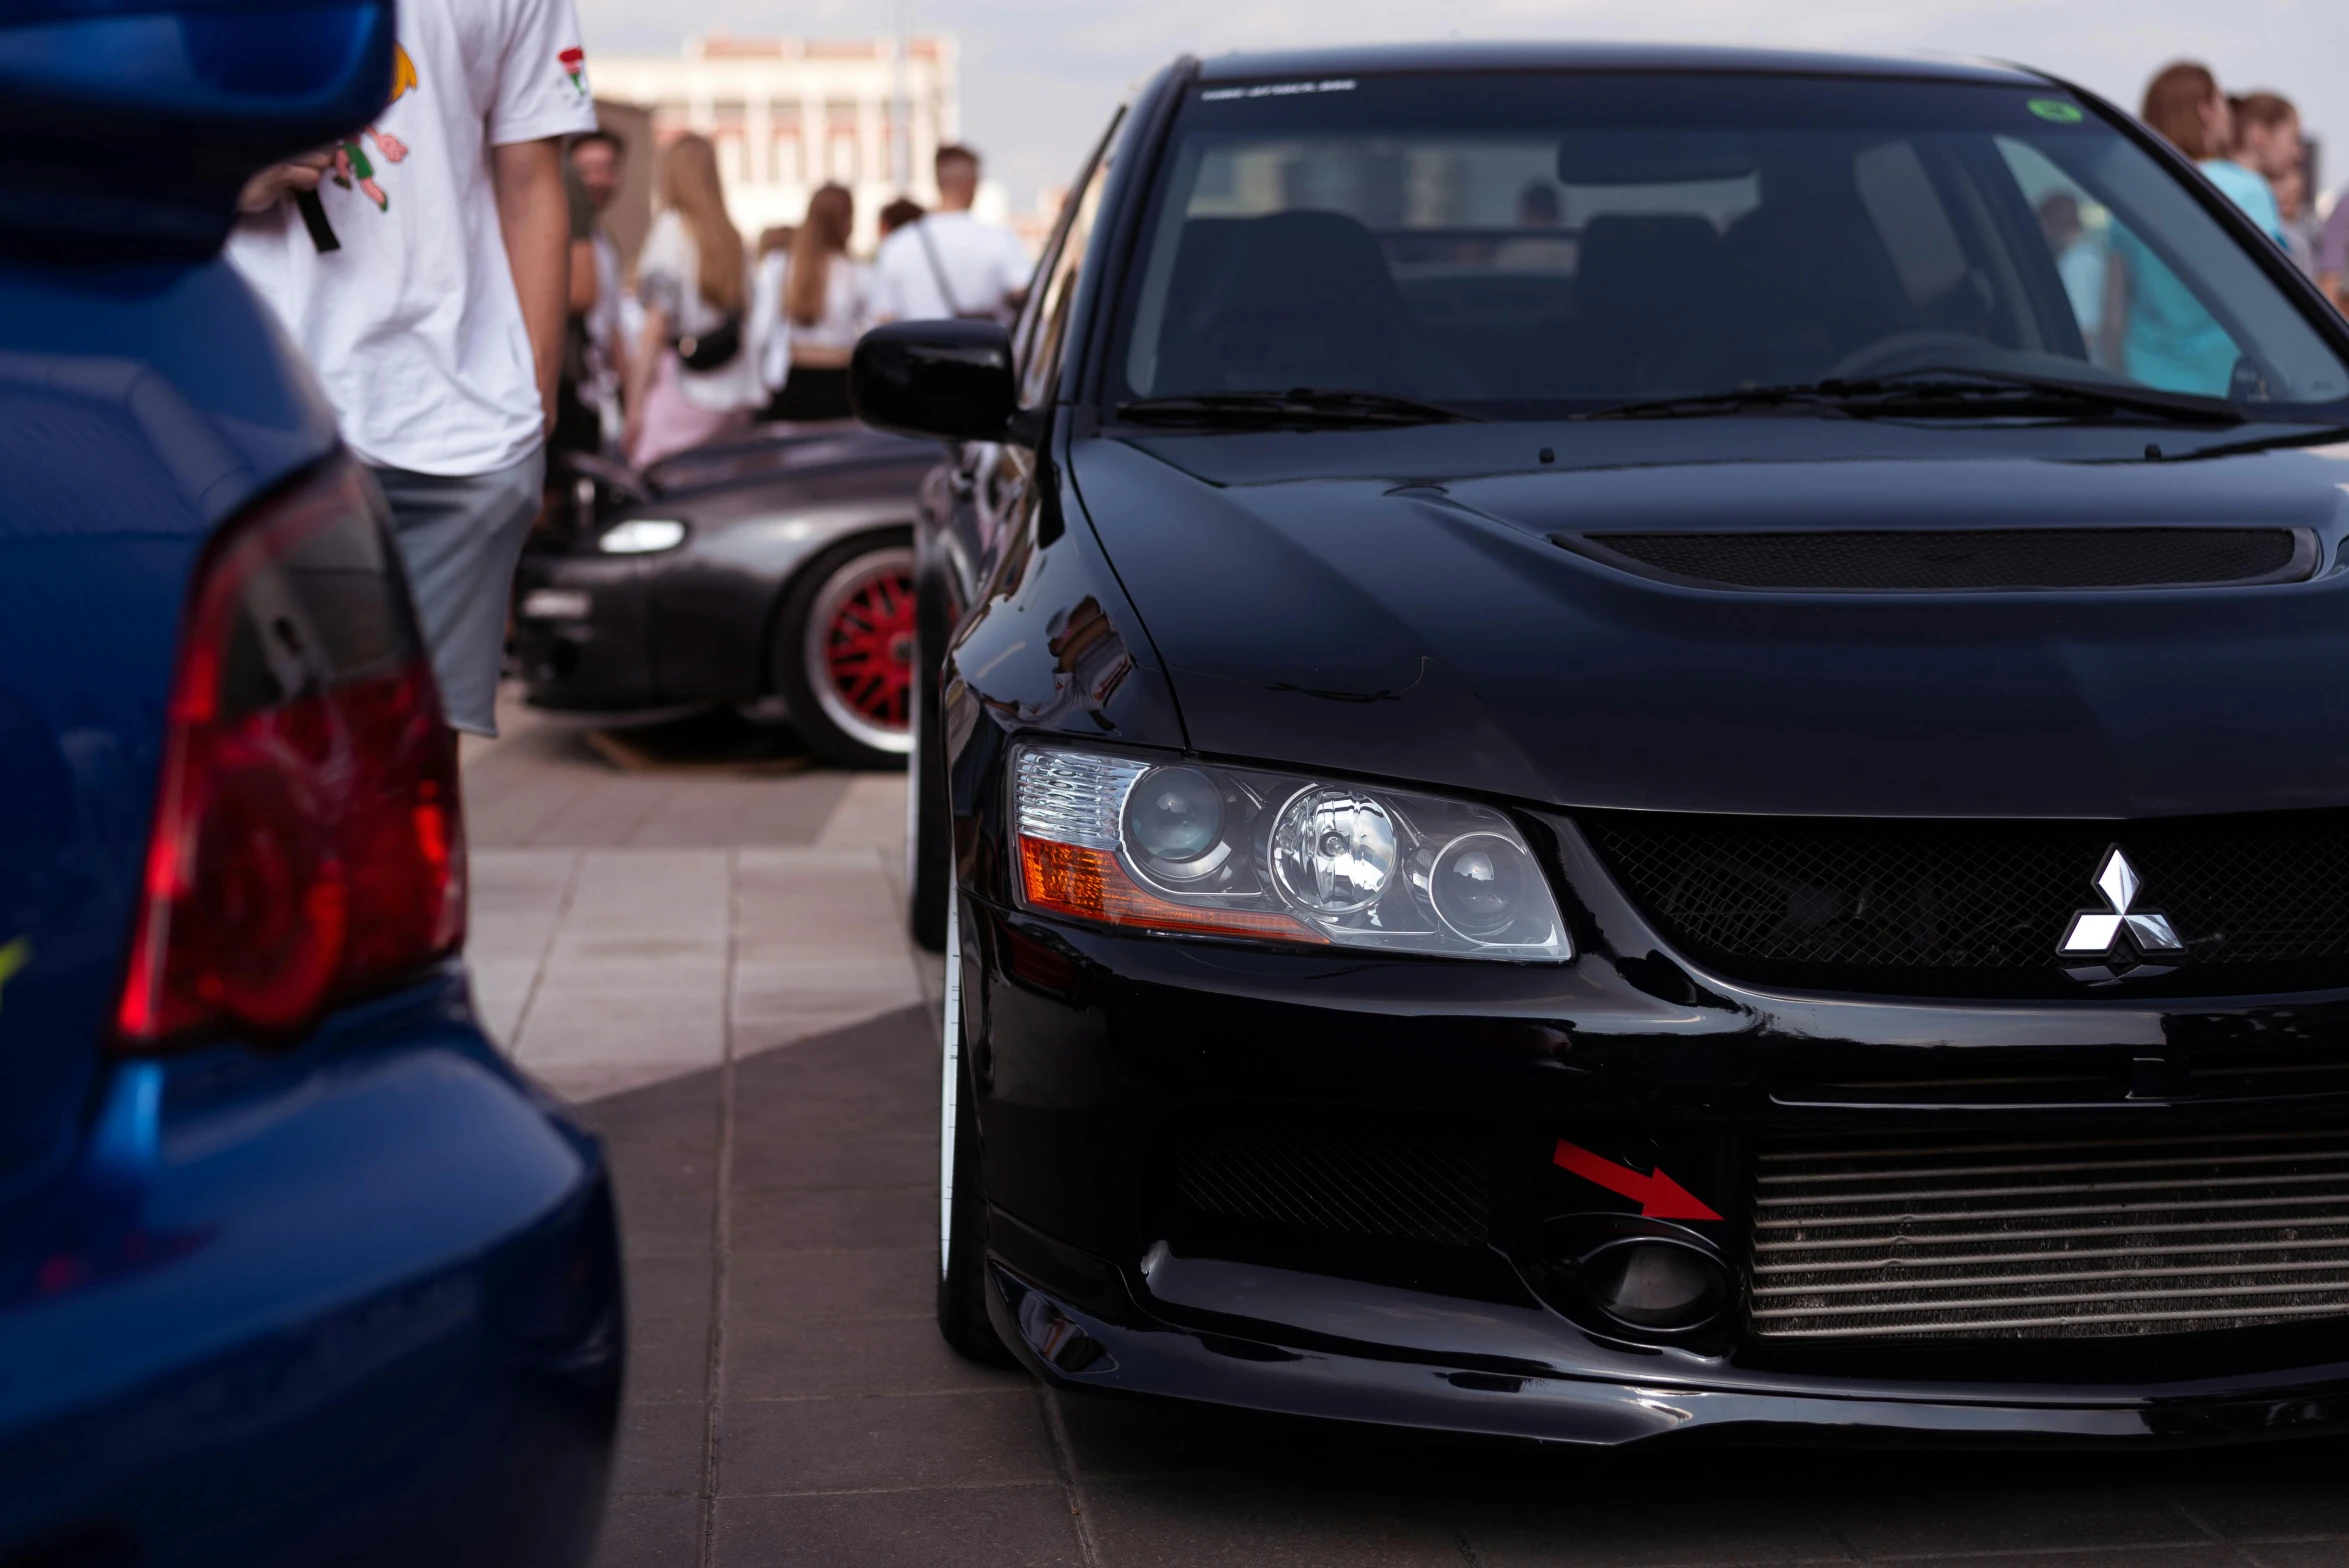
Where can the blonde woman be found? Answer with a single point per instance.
(692, 378)
(825, 307)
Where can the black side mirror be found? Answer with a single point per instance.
(949, 379)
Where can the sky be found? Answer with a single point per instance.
(1040, 77)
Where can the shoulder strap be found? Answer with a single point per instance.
(937, 267)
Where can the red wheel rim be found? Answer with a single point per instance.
(868, 648)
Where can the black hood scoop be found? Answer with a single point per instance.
(1973, 560)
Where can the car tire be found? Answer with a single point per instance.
(962, 1209)
(843, 651)
(929, 851)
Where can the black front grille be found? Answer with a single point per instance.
(2256, 900)
(1968, 560)
(1394, 1184)
(1998, 1236)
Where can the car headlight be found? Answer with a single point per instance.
(1214, 851)
(642, 536)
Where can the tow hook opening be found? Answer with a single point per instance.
(1648, 1277)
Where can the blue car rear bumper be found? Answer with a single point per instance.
(358, 1303)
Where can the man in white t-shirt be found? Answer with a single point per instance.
(422, 267)
(949, 263)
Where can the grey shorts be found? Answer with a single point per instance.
(459, 539)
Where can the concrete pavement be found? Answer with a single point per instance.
(713, 967)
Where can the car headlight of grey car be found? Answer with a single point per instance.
(1198, 849)
(642, 536)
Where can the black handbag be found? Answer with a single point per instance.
(714, 349)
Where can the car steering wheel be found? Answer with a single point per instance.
(1907, 351)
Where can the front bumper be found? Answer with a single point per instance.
(596, 654)
(1094, 1053)
(359, 1304)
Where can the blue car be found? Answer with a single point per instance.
(293, 1267)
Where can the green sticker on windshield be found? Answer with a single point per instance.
(2058, 112)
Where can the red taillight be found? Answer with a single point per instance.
(307, 844)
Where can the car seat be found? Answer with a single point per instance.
(1799, 283)
(1294, 299)
(1640, 290)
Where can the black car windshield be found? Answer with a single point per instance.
(1532, 245)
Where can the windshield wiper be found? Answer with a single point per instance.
(2322, 434)
(1300, 405)
(1938, 394)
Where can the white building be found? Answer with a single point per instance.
(789, 114)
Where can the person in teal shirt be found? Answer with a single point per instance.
(2247, 190)
(2168, 339)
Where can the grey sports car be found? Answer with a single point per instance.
(779, 567)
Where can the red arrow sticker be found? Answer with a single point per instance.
(1659, 1197)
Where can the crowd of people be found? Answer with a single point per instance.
(2134, 314)
(710, 341)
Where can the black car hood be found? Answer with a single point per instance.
(1429, 629)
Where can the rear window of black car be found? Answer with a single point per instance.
(1550, 242)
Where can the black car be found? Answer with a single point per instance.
(778, 566)
(1625, 748)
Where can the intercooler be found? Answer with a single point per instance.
(2007, 1236)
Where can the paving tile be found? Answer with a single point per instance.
(650, 1532)
(1948, 1512)
(774, 1097)
(824, 1107)
(883, 1160)
(866, 962)
(657, 1224)
(1025, 1526)
(1201, 1522)
(791, 1221)
(602, 1078)
(679, 1110)
(668, 1358)
(513, 898)
(803, 1020)
(894, 1043)
(671, 1168)
(669, 892)
(1147, 1437)
(898, 1048)
(669, 1287)
(869, 814)
(500, 1011)
(577, 1026)
(766, 1359)
(2298, 1554)
(660, 1449)
(826, 1070)
(870, 1441)
(852, 1282)
(779, 1116)
(721, 810)
(1644, 1531)
(2273, 1490)
(2209, 1555)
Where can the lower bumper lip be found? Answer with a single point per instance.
(1486, 1387)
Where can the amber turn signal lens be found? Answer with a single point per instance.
(1089, 884)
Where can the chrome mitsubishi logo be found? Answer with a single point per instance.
(2097, 933)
